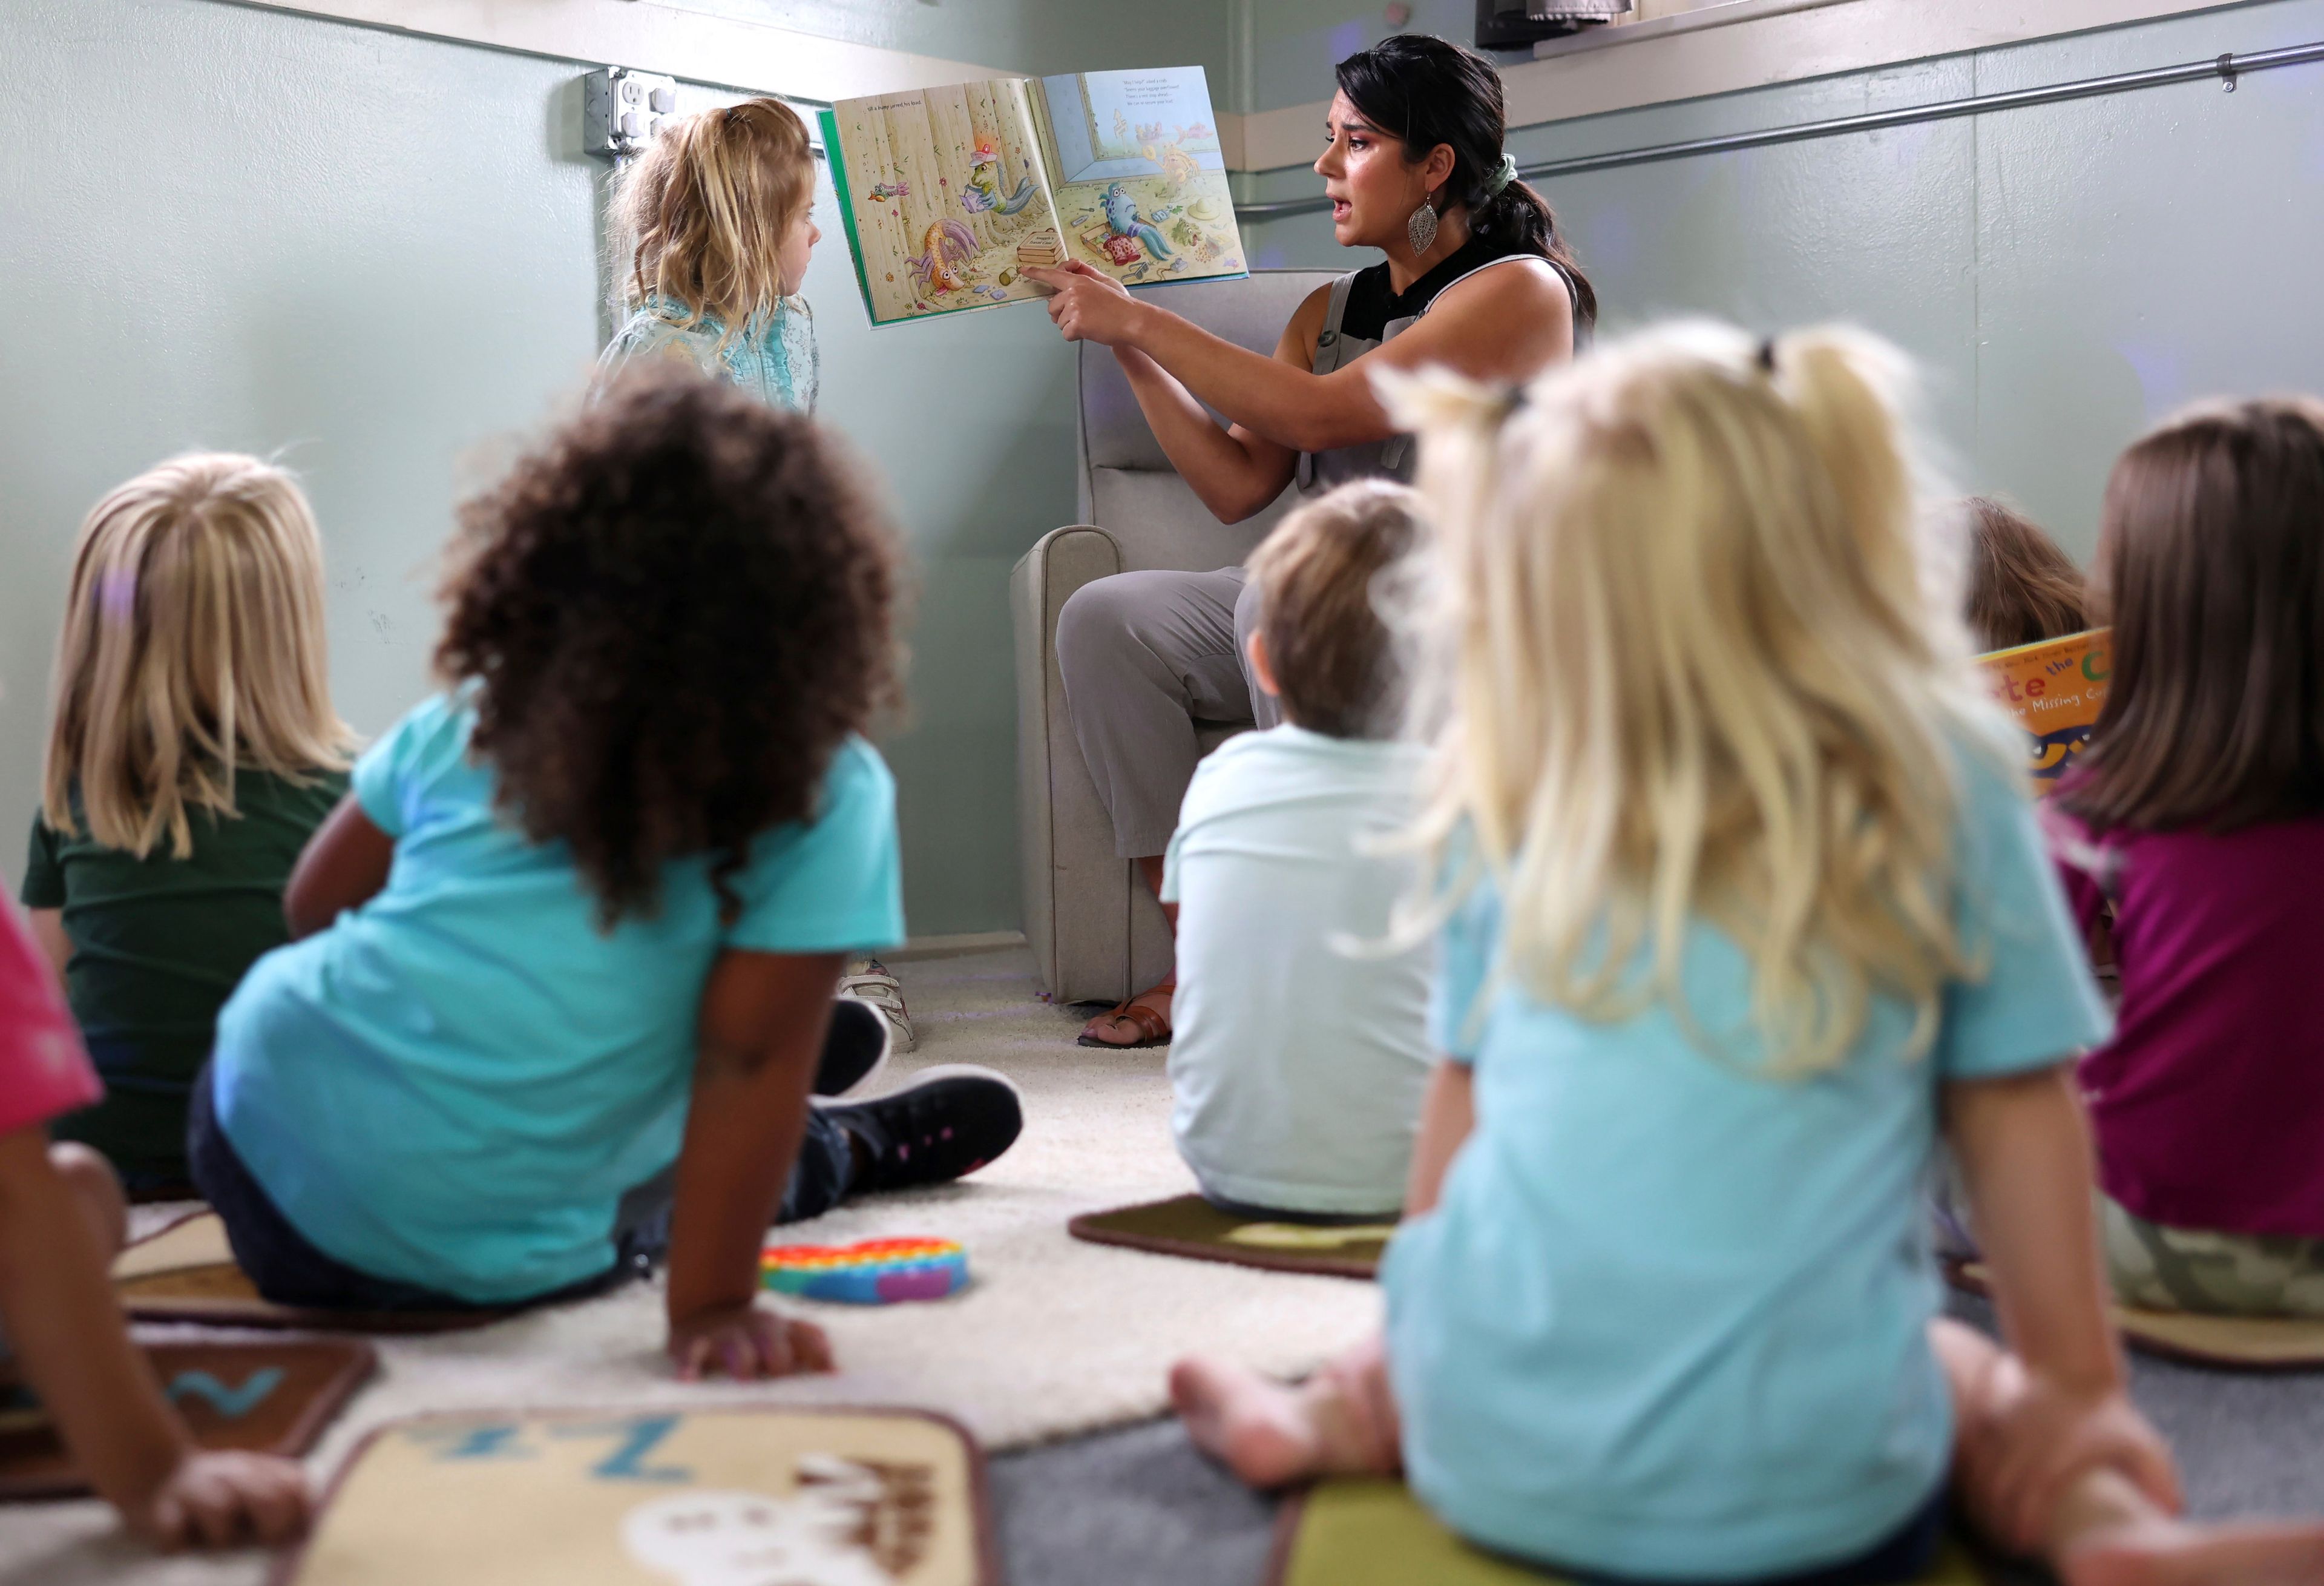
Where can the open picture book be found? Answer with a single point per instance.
(947, 194)
(2056, 689)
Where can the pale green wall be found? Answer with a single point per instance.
(374, 255)
(2066, 274)
(1014, 35)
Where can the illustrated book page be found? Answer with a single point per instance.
(2055, 689)
(939, 190)
(1138, 175)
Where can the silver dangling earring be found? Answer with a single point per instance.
(1420, 228)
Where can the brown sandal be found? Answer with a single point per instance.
(1153, 1030)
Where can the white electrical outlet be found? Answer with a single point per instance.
(621, 109)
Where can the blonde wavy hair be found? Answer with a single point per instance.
(1685, 653)
(702, 213)
(192, 648)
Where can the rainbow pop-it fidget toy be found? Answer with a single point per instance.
(874, 1272)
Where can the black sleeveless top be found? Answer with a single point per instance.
(1365, 311)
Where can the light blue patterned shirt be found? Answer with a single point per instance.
(776, 361)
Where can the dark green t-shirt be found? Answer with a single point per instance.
(158, 944)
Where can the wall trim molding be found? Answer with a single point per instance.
(1754, 44)
(1720, 49)
(720, 50)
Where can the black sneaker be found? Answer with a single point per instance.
(948, 1122)
(855, 1047)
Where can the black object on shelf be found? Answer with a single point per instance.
(1513, 24)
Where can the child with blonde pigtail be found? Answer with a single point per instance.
(1741, 903)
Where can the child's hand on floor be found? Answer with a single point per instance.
(225, 1500)
(2047, 1434)
(746, 1343)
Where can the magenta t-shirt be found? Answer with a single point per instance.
(2208, 1102)
(43, 1071)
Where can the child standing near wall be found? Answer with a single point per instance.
(61, 1221)
(716, 222)
(569, 945)
(1300, 1058)
(192, 751)
(2197, 811)
(2022, 588)
(1746, 901)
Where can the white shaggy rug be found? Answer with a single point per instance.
(1053, 1338)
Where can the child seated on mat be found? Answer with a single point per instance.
(192, 751)
(1744, 901)
(1299, 1060)
(2022, 588)
(61, 1221)
(2198, 812)
(569, 946)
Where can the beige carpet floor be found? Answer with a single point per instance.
(1054, 1337)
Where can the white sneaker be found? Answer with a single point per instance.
(867, 980)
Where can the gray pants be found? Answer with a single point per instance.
(1145, 657)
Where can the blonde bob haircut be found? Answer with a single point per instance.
(702, 213)
(192, 648)
(1683, 654)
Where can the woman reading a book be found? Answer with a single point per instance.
(1477, 278)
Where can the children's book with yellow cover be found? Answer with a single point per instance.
(947, 194)
(2055, 689)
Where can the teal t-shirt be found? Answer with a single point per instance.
(455, 1083)
(1669, 1318)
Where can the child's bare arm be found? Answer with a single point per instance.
(760, 1037)
(343, 865)
(65, 1328)
(48, 933)
(2026, 1158)
(1447, 1116)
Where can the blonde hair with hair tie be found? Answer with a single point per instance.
(192, 648)
(702, 213)
(1681, 656)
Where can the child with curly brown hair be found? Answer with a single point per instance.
(570, 944)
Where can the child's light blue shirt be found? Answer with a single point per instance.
(454, 1084)
(777, 362)
(1669, 1318)
(1297, 1065)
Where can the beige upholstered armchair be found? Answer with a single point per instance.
(1096, 933)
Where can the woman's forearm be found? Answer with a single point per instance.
(1288, 405)
(1447, 1116)
(2025, 1155)
(1233, 475)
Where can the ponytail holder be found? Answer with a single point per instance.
(1503, 174)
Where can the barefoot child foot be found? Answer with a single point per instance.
(2114, 1521)
(2113, 1535)
(1340, 1422)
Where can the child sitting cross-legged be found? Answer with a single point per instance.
(61, 1332)
(1299, 1058)
(571, 942)
(192, 751)
(1743, 904)
(2197, 812)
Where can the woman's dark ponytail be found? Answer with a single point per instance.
(1427, 91)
